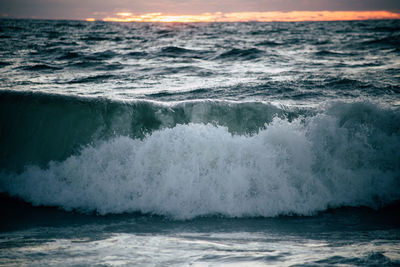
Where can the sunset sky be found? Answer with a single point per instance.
(199, 10)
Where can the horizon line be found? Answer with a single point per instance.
(267, 16)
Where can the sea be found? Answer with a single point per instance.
(199, 144)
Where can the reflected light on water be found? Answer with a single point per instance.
(200, 249)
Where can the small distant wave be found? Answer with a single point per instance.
(104, 55)
(84, 64)
(322, 42)
(40, 67)
(98, 60)
(329, 53)
(391, 41)
(4, 64)
(162, 32)
(93, 79)
(188, 70)
(98, 56)
(95, 38)
(64, 43)
(246, 54)
(110, 67)
(390, 28)
(191, 94)
(136, 54)
(51, 34)
(15, 28)
(272, 30)
(348, 85)
(69, 55)
(73, 24)
(269, 43)
(173, 51)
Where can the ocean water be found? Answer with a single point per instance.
(204, 144)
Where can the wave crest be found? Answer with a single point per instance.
(338, 158)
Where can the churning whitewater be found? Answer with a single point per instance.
(345, 154)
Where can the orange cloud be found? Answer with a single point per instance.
(256, 16)
(124, 14)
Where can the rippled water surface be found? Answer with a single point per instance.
(286, 62)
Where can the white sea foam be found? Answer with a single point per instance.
(297, 167)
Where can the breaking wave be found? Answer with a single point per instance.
(186, 164)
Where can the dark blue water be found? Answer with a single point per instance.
(199, 144)
(296, 63)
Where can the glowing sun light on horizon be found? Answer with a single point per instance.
(254, 16)
(124, 14)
